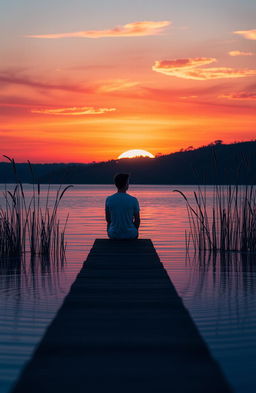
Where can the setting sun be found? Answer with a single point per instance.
(136, 153)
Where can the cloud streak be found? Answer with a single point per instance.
(240, 53)
(116, 85)
(105, 86)
(134, 29)
(190, 68)
(6, 78)
(248, 34)
(73, 111)
(188, 97)
(250, 96)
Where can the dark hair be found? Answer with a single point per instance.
(121, 179)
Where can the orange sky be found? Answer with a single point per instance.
(76, 89)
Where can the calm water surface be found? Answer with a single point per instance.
(221, 300)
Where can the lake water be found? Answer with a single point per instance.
(221, 300)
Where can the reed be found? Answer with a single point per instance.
(226, 221)
(27, 226)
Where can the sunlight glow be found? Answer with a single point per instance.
(136, 153)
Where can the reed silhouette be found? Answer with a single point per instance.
(27, 225)
(225, 223)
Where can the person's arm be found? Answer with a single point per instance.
(136, 216)
(136, 220)
(107, 216)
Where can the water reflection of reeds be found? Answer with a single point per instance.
(228, 273)
(28, 274)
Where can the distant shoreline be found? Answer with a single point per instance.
(216, 163)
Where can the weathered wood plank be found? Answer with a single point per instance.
(122, 328)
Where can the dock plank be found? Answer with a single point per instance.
(122, 328)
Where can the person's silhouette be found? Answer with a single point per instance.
(122, 211)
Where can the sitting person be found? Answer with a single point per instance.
(122, 211)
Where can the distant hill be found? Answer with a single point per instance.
(215, 163)
(24, 174)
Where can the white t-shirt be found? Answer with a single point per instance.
(122, 208)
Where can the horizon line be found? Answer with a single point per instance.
(217, 142)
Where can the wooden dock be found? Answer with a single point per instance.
(122, 329)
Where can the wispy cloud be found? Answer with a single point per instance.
(248, 34)
(243, 95)
(116, 85)
(74, 111)
(188, 97)
(134, 29)
(190, 68)
(11, 79)
(240, 53)
(199, 90)
(105, 86)
(188, 63)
